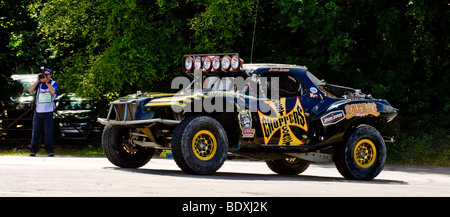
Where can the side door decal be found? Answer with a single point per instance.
(245, 122)
(282, 120)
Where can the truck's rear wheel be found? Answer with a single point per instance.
(119, 151)
(288, 166)
(363, 156)
(199, 145)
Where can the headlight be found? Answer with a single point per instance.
(235, 62)
(198, 62)
(226, 62)
(216, 63)
(188, 63)
(207, 63)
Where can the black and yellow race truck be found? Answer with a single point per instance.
(281, 114)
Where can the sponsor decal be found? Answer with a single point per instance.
(361, 109)
(332, 117)
(248, 133)
(313, 95)
(283, 122)
(278, 70)
(245, 120)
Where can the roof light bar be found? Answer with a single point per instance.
(225, 62)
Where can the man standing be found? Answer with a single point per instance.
(43, 116)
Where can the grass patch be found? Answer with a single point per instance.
(92, 151)
(428, 150)
(86, 151)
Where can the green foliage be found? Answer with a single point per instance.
(222, 21)
(19, 46)
(111, 48)
(396, 50)
(428, 149)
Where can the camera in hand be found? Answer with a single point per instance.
(41, 75)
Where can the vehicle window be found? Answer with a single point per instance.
(213, 83)
(210, 82)
(25, 86)
(26, 83)
(75, 103)
(288, 85)
(227, 83)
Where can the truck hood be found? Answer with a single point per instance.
(151, 95)
(177, 100)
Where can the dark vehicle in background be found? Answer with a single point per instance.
(15, 112)
(75, 117)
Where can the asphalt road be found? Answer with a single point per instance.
(96, 176)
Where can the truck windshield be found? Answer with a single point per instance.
(211, 83)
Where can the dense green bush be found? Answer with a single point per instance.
(396, 50)
(428, 149)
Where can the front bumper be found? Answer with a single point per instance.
(124, 115)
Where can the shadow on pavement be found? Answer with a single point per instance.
(252, 176)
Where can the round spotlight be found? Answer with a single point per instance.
(216, 63)
(207, 63)
(226, 62)
(235, 61)
(188, 63)
(197, 62)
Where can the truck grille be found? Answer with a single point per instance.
(122, 111)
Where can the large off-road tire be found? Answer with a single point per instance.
(288, 166)
(363, 156)
(119, 151)
(199, 145)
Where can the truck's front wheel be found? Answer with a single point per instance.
(119, 151)
(199, 145)
(363, 156)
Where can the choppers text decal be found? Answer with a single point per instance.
(283, 122)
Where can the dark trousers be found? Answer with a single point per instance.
(42, 122)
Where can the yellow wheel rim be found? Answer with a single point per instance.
(365, 153)
(204, 145)
(292, 160)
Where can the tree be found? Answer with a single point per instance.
(19, 50)
(110, 48)
(397, 50)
